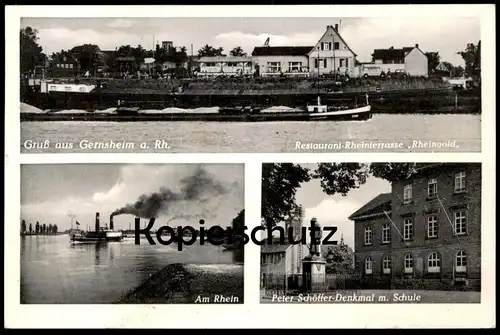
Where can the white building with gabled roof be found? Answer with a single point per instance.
(331, 54)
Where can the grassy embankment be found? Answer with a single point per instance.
(265, 85)
(183, 284)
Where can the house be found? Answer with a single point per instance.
(225, 65)
(272, 61)
(127, 64)
(281, 262)
(330, 54)
(65, 65)
(411, 60)
(426, 232)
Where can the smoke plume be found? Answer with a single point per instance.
(195, 190)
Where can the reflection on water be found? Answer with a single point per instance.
(55, 271)
(261, 137)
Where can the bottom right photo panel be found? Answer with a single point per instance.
(393, 232)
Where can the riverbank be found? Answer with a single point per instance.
(189, 283)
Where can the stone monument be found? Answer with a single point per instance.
(313, 265)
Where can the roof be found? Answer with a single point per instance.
(126, 58)
(391, 53)
(274, 248)
(338, 34)
(224, 59)
(380, 203)
(442, 67)
(281, 51)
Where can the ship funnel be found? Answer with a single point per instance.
(111, 224)
(97, 222)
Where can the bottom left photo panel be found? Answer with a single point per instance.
(132, 233)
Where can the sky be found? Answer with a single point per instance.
(335, 210)
(49, 193)
(447, 35)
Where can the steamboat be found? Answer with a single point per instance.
(101, 234)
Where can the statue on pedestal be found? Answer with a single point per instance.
(316, 237)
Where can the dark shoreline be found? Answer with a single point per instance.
(189, 284)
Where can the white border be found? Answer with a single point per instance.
(251, 314)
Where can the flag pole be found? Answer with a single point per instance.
(395, 226)
(448, 218)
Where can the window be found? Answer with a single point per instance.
(408, 229)
(320, 62)
(408, 263)
(70, 66)
(209, 64)
(336, 45)
(407, 193)
(386, 233)
(460, 182)
(368, 266)
(386, 265)
(342, 62)
(432, 188)
(326, 46)
(232, 64)
(294, 66)
(263, 259)
(274, 67)
(368, 235)
(432, 226)
(433, 263)
(460, 218)
(461, 261)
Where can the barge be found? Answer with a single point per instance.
(86, 102)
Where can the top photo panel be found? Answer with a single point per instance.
(250, 85)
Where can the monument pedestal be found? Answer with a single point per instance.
(313, 272)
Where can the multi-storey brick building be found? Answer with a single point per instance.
(427, 232)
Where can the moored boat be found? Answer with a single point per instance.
(339, 113)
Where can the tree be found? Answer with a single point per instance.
(37, 228)
(54, 229)
(237, 51)
(472, 58)
(281, 181)
(49, 228)
(31, 228)
(89, 56)
(341, 177)
(339, 258)
(23, 227)
(30, 53)
(238, 222)
(392, 171)
(44, 228)
(433, 60)
(210, 51)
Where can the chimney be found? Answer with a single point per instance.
(111, 224)
(97, 221)
(336, 27)
(416, 45)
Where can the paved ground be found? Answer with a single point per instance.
(377, 296)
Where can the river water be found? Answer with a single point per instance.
(53, 271)
(268, 137)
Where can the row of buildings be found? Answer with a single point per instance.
(330, 55)
(425, 233)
